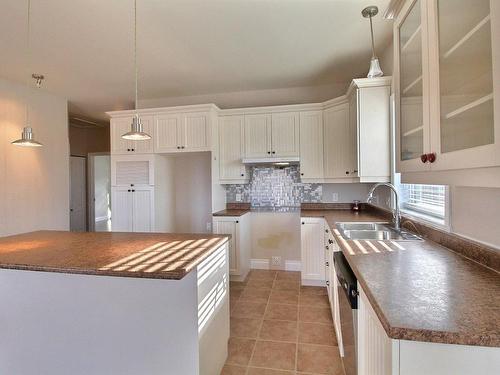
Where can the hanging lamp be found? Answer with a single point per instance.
(136, 132)
(27, 139)
(375, 70)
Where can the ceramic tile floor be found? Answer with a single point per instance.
(280, 328)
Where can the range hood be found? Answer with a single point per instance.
(271, 161)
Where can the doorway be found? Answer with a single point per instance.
(99, 188)
(78, 201)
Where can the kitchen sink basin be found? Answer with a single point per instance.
(374, 231)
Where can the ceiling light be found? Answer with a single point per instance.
(136, 132)
(282, 163)
(26, 139)
(375, 70)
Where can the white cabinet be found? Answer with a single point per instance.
(239, 244)
(311, 142)
(182, 132)
(271, 135)
(132, 209)
(332, 284)
(312, 251)
(132, 170)
(120, 126)
(231, 145)
(446, 96)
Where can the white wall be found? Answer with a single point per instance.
(254, 98)
(34, 188)
(346, 192)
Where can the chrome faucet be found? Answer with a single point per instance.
(396, 214)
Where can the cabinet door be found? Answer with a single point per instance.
(257, 135)
(120, 126)
(227, 225)
(311, 145)
(285, 134)
(353, 134)
(121, 210)
(410, 42)
(167, 130)
(231, 149)
(337, 142)
(143, 209)
(196, 132)
(145, 146)
(313, 250)
(463, 133)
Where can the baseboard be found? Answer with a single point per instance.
(307, 282)
(259, 264)
(293, 265)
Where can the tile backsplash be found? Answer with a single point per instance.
(275, 187)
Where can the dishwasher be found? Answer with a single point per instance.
(347, 290)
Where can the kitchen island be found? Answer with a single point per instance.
(113, 303)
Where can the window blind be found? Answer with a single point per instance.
(425, 199)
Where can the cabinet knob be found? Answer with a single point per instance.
(183, 147)
(423, 158)
(327, 264)
(237, 221)
(131, 184)
(326, 230)
(128, 149)
(178, 147)
(346, 172)
(269, 152)
(431, 157)
(129, 190)
(355, 171)
(274, 152)
(302, 174)
(303, 223)
(327, 247)
(330, 241)
(242, 175)
(327, 282)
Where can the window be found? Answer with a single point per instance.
(426, 201)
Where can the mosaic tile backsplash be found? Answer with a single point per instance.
(275, 187)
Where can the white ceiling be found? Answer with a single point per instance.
(186, 47)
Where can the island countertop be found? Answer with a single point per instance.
(143, 255)
(420, 290)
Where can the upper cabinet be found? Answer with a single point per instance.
(231, 143)
(271, 135)
(181, 132)
(444, 74)
(120, 126)
(311, 145)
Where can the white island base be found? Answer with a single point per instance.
(60, 323)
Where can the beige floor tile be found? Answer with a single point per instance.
(313, 290)
(287, 285)
(255, 294)
(262, 274)
(232, 303)
(251, 310)
(274, 355)
(233, 370)
(244, 327)
(278, 330)
(281, 312)
(319, 359)
(315, 300)
(289, 297)
(260, 283)
(315, 314)
(266, 371)
(288, 275)
(321, 334)
(239, 351)
(235, 292)
(237, 284)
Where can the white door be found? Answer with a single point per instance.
(196, 132)
(285, 134)
(121, 209)
(337, 142)
(78, 201)
(257, 135)
(167, 128)
(120, 126)
(313, 249)
(228, 226)
(231, 149)
(144, 146)
(311, 145)
(142, 209)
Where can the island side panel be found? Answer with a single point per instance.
(61, 324)
(213, 310)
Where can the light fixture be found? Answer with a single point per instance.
(375, 70)
(26, 139)
(136, 132)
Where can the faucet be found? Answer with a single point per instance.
(396, 214)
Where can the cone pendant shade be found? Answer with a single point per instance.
(27, 139)
(137, 132)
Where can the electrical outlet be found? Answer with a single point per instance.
(238, 197)
(276, 261)
(209, 226)
(335, 197)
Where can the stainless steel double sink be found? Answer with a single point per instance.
(374, 231)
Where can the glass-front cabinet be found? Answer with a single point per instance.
(446, 94)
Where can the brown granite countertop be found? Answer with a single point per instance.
(420, 290)
(145, 255)
(231, 212)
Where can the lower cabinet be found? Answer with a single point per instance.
(313, 251)
(239, 244)
(132, 209)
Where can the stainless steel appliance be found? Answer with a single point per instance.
(348, 305)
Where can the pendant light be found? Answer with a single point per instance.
(375, 70)
(26, 139)
(136, 132)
